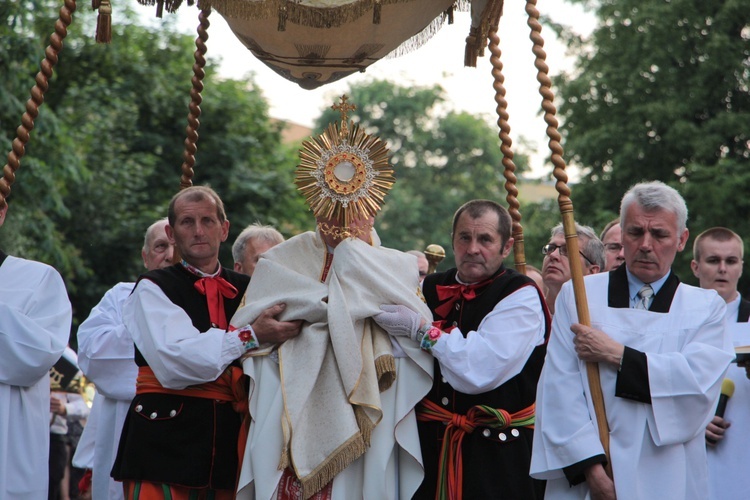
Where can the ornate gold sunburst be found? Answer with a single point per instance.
(344, 173)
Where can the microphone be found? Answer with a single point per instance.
(727, 391)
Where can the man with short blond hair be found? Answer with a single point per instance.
(717, 263)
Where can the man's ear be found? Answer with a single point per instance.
(170, 233)
(507, 248)
(3, 211)
(694, 267)
(683, 240)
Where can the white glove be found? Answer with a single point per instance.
(399, 321)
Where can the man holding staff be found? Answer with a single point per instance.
(662, 354)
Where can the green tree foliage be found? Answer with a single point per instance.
(442, 159)
(105, 156)
(661, 91)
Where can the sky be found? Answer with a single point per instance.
(440, 60)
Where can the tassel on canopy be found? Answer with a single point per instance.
(104, 21)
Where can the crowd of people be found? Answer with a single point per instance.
(327, 366)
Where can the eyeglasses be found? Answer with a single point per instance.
(551, 247)
(613, 247)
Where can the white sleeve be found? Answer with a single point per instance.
(561, 442)
(498, 349)
(76, 408)
(685, 384)
(105, 348)
(175, 350)
(35, 317)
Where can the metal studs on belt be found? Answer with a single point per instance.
(153, 416)
(445, 401)
(515, 433)
(502, 437)
(486, 433)
(139, 408)
(174, 412)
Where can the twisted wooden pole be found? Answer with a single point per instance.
(188, 156)
(519, 254)
(566, 211)
(23, 132)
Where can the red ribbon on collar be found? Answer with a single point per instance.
(451, 294)
(216, 289)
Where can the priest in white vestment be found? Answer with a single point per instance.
(35, 316)
(333, 409)
(662, 353)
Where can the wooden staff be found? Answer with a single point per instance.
(566, 211)
(188, 156)
(519, 253)
(23, 132)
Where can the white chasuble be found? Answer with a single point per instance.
(322, 397)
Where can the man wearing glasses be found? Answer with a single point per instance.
(612, 238)
(556, 267)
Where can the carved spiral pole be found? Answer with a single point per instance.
(519, 254)
(566, 211)
(23, 132)
(188, 156)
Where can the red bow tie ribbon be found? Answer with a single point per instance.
(451, 294)
(216, 289)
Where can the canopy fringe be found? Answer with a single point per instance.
(304, 15)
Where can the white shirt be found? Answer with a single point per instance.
(105, 355)
(176, 351)
(498, 350)
(35, 316)
(729, 460)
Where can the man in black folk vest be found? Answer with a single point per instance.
(182, 433)
(488, 342)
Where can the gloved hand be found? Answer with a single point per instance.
(399, 321)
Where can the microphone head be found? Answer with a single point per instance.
(727, 388)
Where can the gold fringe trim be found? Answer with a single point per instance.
(336, 462)
(365, 425)
(419, 39)
(304, 15)
(171, 6)
(385, 369)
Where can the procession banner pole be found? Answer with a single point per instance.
(568, 220)
(23, 132)
(509, 167)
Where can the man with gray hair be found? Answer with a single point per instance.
(254, 240)
(661, 351)
(556, 266)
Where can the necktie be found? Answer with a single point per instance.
(645, 295)
(452, 293)
(215, 289)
